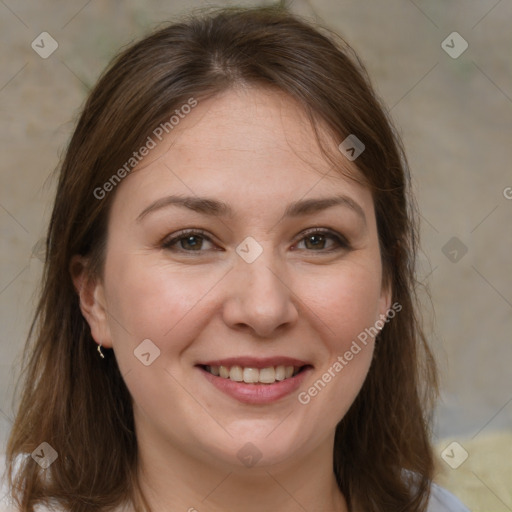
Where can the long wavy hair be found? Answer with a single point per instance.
(382, 458)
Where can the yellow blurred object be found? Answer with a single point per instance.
(478, 471)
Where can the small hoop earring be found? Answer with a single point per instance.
(100, 352)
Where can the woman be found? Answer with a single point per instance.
(233, 230)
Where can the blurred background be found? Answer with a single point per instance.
(444, 70)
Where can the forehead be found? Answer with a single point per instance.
(250, 142)
(256, 122)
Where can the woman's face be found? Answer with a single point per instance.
(276, 279)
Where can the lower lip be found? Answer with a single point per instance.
(257, 393)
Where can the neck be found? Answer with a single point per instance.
(174, 481)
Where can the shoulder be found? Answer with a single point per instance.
(7, 503)
(442, 500)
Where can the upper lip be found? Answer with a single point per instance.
(255, 362)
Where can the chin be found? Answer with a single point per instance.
(255, 444)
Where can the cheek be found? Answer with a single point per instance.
(151, 301)
(348, 306)
(347, 301)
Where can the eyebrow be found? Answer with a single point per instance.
(215, 208)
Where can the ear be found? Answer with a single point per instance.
(92, 300)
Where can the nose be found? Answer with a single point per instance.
(259, 297)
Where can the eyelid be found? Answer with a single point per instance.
(324, 231)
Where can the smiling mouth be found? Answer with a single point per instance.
(249, 375)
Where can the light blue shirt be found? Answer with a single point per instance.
(443, 501)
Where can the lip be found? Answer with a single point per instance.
(256, 394)
(255, 362)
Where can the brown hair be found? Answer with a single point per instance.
(382, 456)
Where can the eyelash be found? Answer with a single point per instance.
(340, 240)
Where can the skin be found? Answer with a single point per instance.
(255, 150)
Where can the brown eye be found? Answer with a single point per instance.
(316, 240)
(187, 241)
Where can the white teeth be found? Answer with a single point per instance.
(236, 373)
(254, 375)
(251, 375)
(267, 375)
(280, 373)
